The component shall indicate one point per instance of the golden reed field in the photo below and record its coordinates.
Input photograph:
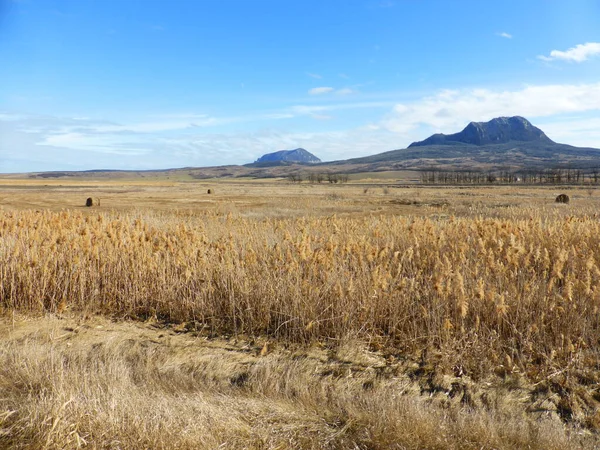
(276, 315)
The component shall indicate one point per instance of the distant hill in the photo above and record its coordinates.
(497, 131)
(504, 142)
(298, 155)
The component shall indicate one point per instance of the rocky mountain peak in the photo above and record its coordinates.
(298, 155)
(497, 131)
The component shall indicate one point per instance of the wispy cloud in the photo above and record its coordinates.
(330, 90)
(578, 54)
(505, 35)
(567, 112)
(316, 109)
(314, 75)
(579, 130)
(174, 140)
(449, 110)
(321, 90)
(56, 148)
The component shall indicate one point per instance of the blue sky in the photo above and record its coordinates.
(149, 84)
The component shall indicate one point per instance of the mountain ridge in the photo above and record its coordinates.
(298, 155)
(504, 143)
(499, 130)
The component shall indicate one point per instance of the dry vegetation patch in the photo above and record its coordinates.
(469, 321)
(71, 383)
(520, 288)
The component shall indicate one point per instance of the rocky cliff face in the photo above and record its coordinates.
(298, 155)
(496, 131)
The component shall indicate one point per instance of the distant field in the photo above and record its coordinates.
(367, 194)
(278, 315)
(403, 176)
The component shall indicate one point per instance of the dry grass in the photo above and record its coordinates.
(116, 385)
(523, 288)
(280, 199)
(465, 289)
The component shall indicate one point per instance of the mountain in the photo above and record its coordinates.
(298, 155)
(497, 131)
(503, 142)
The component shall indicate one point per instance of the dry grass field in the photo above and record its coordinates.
(277, 315)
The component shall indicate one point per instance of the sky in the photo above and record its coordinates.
(155, 84)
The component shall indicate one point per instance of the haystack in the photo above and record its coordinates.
(92, 201)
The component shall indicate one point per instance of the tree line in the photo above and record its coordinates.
(506, 176)
(333, 178)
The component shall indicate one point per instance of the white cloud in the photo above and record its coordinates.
(31, 143)
(449, 110)
(569, 113)
(312, 109)
(579, 53)
(321, 90)
(168, 123)
(314, 75)
(345, 91)
(330, 90)
(36, 142)
(330, 145)
(581, 131)
(505, 35)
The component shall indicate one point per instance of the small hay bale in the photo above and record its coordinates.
(210, 191)
(91, 201)
(562, 198)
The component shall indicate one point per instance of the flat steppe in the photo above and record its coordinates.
(267, 314)
(375, 193)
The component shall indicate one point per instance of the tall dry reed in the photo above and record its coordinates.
(526, 289)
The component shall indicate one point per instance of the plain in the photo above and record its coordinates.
(270, 314)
